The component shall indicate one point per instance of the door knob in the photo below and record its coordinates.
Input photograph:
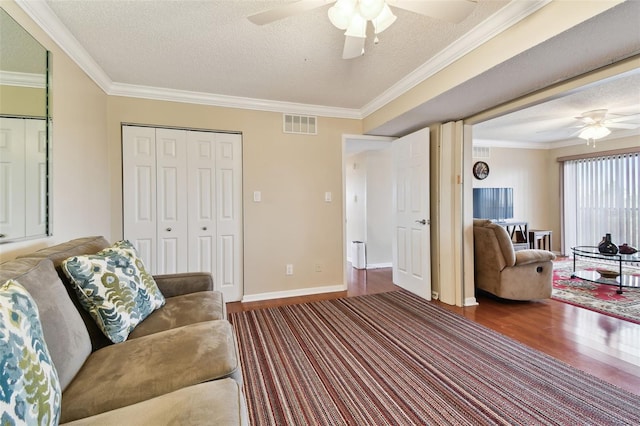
(168, 229)
(204, 228)
(422, 222)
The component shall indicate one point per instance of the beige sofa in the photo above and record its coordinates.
(179, 366)
(509, 274)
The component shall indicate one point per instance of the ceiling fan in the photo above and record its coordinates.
(596, 124)
(354, 15)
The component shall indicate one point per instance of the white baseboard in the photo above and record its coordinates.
(293, 293)
(470, 301)
(379, 265)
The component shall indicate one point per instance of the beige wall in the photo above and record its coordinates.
(534, 175)
(524, 170)
(369, 217)
(80, 191)
(292, 224)
(379, 207)
(29, 101)
(356, 200)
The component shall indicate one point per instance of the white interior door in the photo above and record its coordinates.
(411, 240)
(12, 175)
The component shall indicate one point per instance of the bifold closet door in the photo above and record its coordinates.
(155, 196)
(172, 196)
(12, 163)
(182, 195)
(201, 181)
(229, 259)
(139, 191)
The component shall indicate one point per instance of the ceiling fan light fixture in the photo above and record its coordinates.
(593, 132)
(341, 13)
(384, 19)
(357, 27)
(370, 9)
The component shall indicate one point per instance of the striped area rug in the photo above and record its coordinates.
(394, 359)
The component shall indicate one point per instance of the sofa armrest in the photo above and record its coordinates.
(176, 284)
(525, 257)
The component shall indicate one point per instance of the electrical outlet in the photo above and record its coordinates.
(289, 269)
(318, 267)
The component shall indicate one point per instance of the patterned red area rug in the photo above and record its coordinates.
(593, 296)
(395, 359)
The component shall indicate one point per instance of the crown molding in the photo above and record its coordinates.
(42, 14)
(23, 79)
(511, 144)
(506, 17)
(553, 144)
(172, 95)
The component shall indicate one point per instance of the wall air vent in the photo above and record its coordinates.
(481, 152)
(301, 124)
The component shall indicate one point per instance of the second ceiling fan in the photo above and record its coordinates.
(354, 15)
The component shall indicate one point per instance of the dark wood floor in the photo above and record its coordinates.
(606, 347)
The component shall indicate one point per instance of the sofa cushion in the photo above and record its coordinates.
(220, 402)
(150, 366)
(63, 251)
(29, 387)
(64, 331)
(76, 247)
(115, 288)
(182, 310)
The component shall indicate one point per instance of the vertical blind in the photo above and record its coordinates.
(601, 196)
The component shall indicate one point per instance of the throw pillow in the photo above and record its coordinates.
(29, 388)
(115, 288)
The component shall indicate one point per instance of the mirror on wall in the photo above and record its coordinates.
(25, 130)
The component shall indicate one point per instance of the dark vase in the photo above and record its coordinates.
(606, 246)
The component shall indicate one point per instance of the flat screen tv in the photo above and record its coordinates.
(493, 203)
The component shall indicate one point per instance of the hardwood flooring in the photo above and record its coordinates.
(606, 347)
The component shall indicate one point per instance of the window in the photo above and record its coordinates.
(601, 195)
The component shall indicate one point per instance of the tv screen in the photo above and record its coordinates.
(493, 203)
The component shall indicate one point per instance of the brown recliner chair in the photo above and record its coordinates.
(509, 274)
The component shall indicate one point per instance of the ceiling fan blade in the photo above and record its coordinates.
(447, 10)
(622, 125)
(285, 11)
(620, 118)
(353, 47)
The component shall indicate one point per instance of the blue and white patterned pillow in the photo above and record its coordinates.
(30, 391)
(115, 288)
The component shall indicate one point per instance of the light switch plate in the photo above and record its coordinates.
(327, 197)
(257, 196)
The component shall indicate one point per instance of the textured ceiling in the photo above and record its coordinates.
(556, 119)
(210, 47)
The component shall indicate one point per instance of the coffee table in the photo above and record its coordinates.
(622, 280)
